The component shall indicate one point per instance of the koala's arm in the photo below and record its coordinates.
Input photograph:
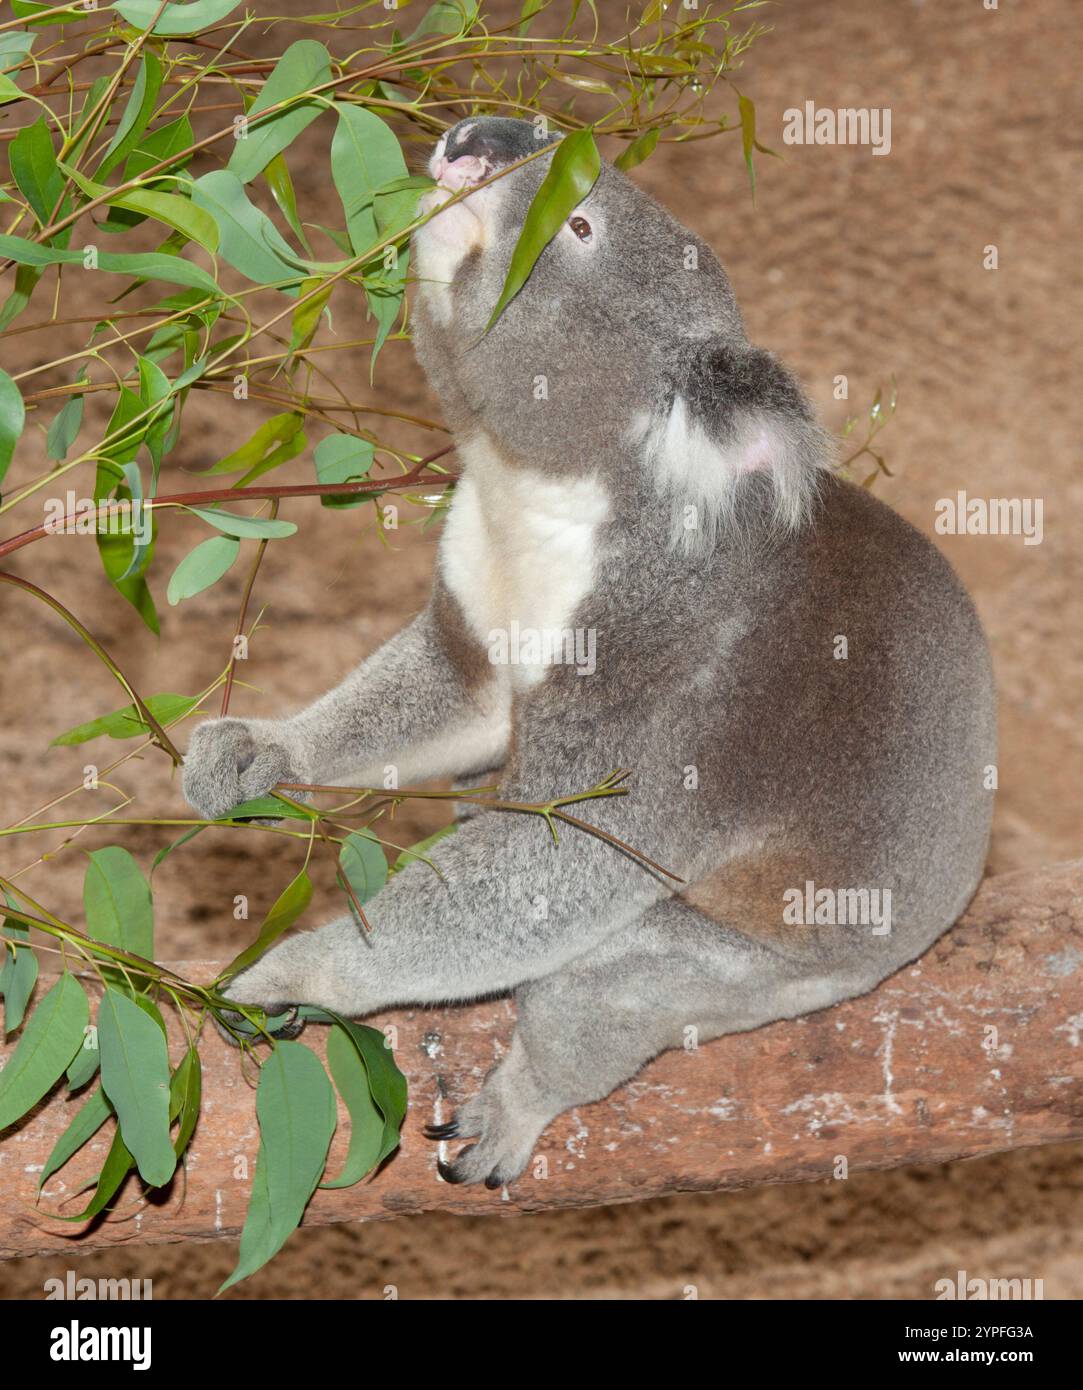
(427, 702)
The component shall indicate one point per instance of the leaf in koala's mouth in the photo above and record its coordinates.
(572, 174)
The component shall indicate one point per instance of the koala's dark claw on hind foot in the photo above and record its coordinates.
(445, 1131)
(447, 1170)
(494, 1180)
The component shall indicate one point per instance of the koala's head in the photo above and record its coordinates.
(626, 338)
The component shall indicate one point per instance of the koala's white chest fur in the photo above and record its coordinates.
(519, 552)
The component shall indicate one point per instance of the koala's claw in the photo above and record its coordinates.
(446, 1172)
(438, 1132)
(290, 1028)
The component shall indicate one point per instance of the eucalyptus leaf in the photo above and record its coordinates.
(136, 115)
(295, 1105)
(146, 265)
(49, 1041)
(202, 567)
(248, 239)
(117, 902)
(291, 903)
(127, 722)
(12, 420)
(90, 1117)
(362, 864)
(32, 160)
(304, 65)
(246, 527)
(572, 174)
(175, 19)
(135, 1077)
(343, 458)
(18, 970)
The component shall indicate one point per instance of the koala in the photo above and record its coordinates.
(793, 674)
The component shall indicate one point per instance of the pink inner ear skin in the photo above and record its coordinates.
(756, 457)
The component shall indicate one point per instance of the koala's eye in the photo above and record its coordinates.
(582, 228)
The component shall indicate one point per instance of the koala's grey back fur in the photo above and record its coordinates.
(669, 491)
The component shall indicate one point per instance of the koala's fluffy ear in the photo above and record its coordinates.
(733, 425)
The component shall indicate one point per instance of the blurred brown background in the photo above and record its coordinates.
(847, 264)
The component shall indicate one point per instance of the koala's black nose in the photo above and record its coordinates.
(499, 139)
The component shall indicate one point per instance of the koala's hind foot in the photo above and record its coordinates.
(588, 1028)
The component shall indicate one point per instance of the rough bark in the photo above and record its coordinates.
(972, 1049)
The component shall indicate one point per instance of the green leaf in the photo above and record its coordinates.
(175, 19)
(365, 155)
(156, 394)
(277, 435)
(84, 1065)
(248, 240)
(148, 265)
(572, 174)
(747, 111)
(34, 169)
(50, 1038)
(185, 1096)
(172, 209)
(374, 1131)
(378, 197)
(26, 278)
(366, 1122)
(277, 175)
(291, 903)
(362, 864)
(448, 17)
(49, 14)
(18, 971)
(422, 847)
(295, 1104)
(65, 428)
(15, 44)
(160, 144)
(136, 115)
(118, 1164)
(202, 567)
(117, 901)
(88, 1120)
(260, 527)
(343, 458)
(304, 65)
(12, 420)
(164, 854)
(641, 148)
(264, 806)
(135, 1077)
(126, 722)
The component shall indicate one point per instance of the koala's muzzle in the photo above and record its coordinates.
(480, 145)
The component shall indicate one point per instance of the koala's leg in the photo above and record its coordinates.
(583, 1031)
(505, 905)
(428, 702)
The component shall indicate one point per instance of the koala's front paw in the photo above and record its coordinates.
(236, 1029)
(227, 763)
